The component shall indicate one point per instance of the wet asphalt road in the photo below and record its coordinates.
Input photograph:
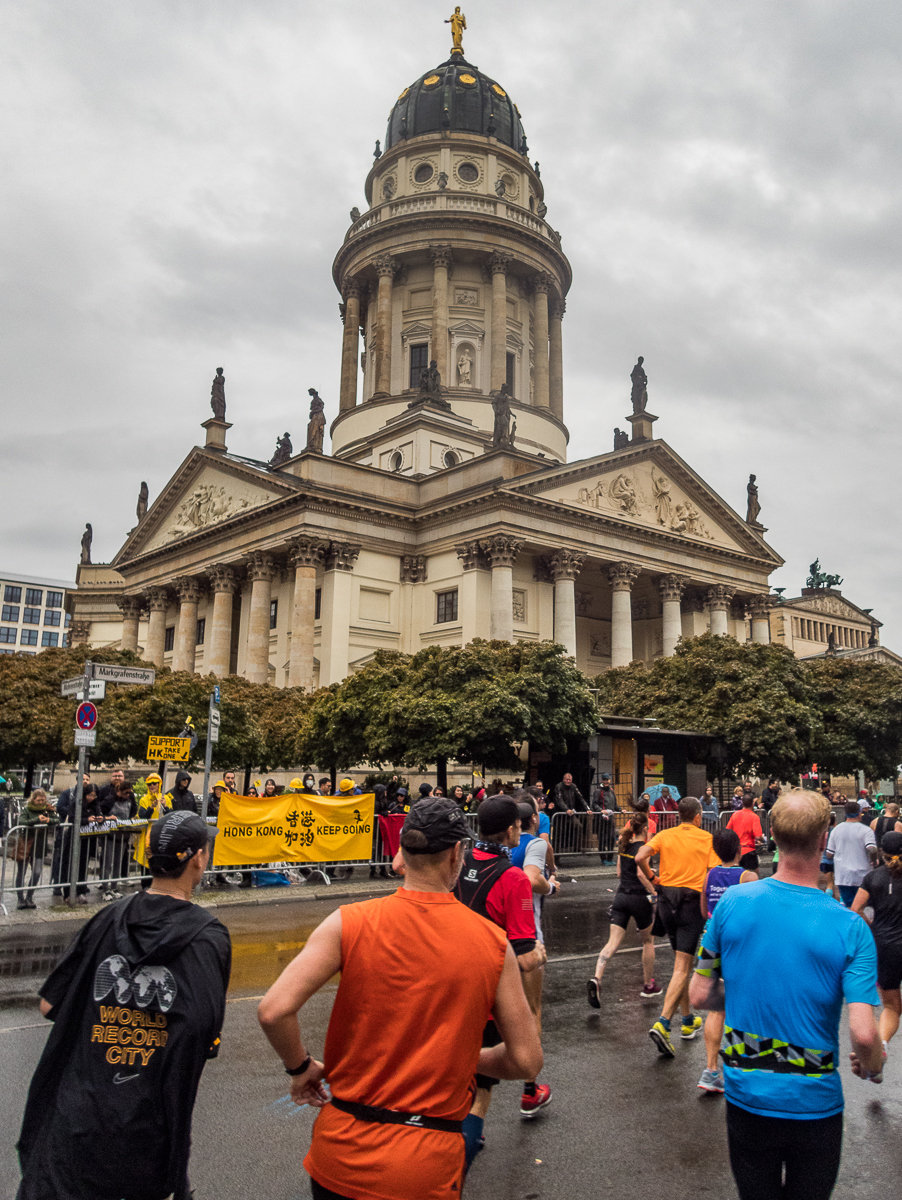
(623, 1123)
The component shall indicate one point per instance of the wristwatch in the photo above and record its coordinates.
(302, 1068)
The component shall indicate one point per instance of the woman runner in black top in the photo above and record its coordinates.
(881, 890)
(635, 898)
(888, 822)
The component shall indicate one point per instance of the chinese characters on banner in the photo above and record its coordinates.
(254, 830)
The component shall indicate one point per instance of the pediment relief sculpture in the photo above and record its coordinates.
(832, 605)
(206, 506)
(647, 494)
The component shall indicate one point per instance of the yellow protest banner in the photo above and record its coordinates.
(294, 828)
(168, 749)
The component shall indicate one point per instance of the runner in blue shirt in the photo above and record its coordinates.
(781, 957)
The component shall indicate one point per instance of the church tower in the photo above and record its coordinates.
(454, 264)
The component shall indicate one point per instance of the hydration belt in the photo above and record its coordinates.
(391, 1116)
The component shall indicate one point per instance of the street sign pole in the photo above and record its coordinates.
(208, 759)
(79, 792)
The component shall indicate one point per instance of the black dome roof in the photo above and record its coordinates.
(456, 95)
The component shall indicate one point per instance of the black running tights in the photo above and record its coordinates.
(760, 1148)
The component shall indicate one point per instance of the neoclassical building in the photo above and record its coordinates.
(442, 513)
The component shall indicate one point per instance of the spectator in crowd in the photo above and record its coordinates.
(215, 798)
(252, 791)
(228, 780)
(605, 803)
(643, 805)
(121, 806)
(666, 804)
(853, 848)
(771, 794)
(746, 824)
(90, 815)
(59, 868)
(709, 809)
(887, 822)
(567, 797)
(108, 791)
(736, 798)
(438, 793)
(325, 786)
(151, 807)
(38, 818)
(425, 790)
(309, 782)
(402, 801)
(269, 788)
(457, 795)
(347, 787)
(181, 798)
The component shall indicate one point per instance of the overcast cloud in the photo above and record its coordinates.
(727, 180)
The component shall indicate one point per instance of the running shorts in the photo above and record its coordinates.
(681, 915)
(627, 904)
(889, 967)
(490, 1037)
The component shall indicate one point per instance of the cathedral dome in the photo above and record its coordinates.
(456, 95)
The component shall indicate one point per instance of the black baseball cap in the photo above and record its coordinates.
(440, 821)
(179, 835)
(891, 844)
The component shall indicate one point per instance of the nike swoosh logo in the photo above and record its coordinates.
(117, 1078)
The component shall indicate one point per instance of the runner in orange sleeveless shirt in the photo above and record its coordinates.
(420, 976)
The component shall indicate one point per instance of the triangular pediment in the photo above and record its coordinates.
(649, 486)
(207, 490)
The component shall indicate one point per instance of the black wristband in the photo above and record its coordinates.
(302, 1068)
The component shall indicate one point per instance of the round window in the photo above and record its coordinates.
(450, 459)
(468, 172)
(423, 173)
(396, 462)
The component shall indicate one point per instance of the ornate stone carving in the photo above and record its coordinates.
(465, 368)
(316, 426)
(760, 607)
(622, 576)
(307, 551)
(261, 567)
(738, 610)
(466, 297)
(442, 256)
(86, 538)
(413, 568)
(687, 519)
(556, 309)
(223, 578)
(206, 506)
(158, 599)
(583, 604)
(188, 589)
(341, 556)
(284, 450)
(502, 430)
(352, 286)
(600, 644)
(499, 263)
(621, 439)
(564, 564)
(518, 605)
(217, 395)
(389, 186)
(542, 282)
(79, 632)
(660, 485)
(501, 551)
(592, 496)
(817, 578)
(719, 597)
(754, 508)
(469, 555)
(693, 601)
(832, 605)
(623, 494)
(130, 606)
(385, 266)
(639, 394)
(671, 587)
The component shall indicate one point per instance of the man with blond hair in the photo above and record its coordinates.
(781, 957)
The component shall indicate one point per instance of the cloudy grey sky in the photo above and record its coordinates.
(727, 179)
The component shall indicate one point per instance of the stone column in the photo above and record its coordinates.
(385, 268)
(501, 552)
(622, 577)
(541, 285)
(351, 290)
(556, 309)
(760, 607)
(564, 566)
(219, 636)
(305, 554)
(672, 587)
(498, 265)
(158, 603)
(130, 607)
(336, 611)
(189, 592)
(261, 570)
(441, 261)
(718, 605)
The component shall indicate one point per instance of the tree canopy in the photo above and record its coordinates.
(860, 707)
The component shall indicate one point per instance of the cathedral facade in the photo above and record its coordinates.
(447, 509)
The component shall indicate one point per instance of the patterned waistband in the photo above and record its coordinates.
(746, 1052)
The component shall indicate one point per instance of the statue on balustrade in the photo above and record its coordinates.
(621, 439)
(316, 426)
(754, 507)
(640, 387)
(86, 539)
(502, 434)
(283, 451)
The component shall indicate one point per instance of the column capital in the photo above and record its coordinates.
(542, 282)
(564, 564)
(130, 606)
(352, 286)
(501, 551)
(158, 599)
(499, 262)
(385, 266)
(442, 256)
(224, 578)
(760, 607)
(672, 587)
(261, 567)
(719, 597)
(469, 555)
(622, 576)
(341, 556)
(188, 589)
(307, 551)
(413, 568)
(557, 308)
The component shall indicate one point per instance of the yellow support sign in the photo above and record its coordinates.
(168, 749)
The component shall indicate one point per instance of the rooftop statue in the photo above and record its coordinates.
(502, 435)
(217, 395)
(142, 502)
(754, 508)
(458, 23)
(86, 538)
(818, 579)
(640, 387)
(283, 451)
(317, 424)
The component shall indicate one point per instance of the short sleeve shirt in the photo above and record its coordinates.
(885, 897)
(747, 828)
(544, 824)
(686, 854)
(788, 957)
(849, 843)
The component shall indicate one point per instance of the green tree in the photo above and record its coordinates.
(754, 698)
(860, 704)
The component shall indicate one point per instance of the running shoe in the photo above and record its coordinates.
(661, 1038)
(690, 1028)
(711, 1081)
(650, 989)
(592, 989)
(530, 1105)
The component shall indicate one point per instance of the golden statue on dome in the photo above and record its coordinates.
(458, 23)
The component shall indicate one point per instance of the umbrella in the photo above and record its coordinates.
(2, 780)
(655, 791)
